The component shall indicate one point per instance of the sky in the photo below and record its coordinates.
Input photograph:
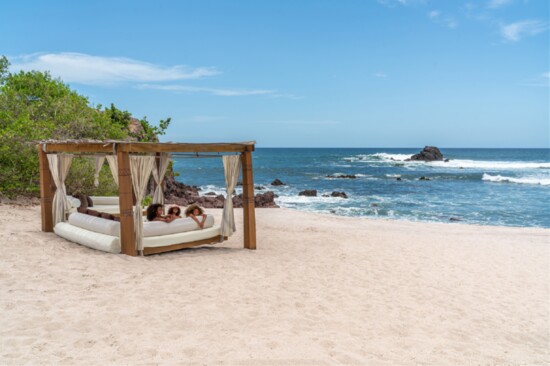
(289, 73)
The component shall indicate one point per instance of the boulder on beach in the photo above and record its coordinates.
(308, 193)
(429, 153)
(277, 182)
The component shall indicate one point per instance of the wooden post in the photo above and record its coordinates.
(249, 215)
(47, 190)
(127, 235)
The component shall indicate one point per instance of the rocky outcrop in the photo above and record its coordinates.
(277, 182)
(424, 178)
(429, 153)
(308, 193)
(266, 200)
(184, 195)
(336, 194)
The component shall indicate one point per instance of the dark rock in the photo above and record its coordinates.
(446, 160)
(454, 219)
(398, 178)
(308, 193)
(239, 184)
(326, 195)
(339, 194)
(210, 194)
(429, 153)
(375, 205)
(424, 178)
(259, 188)
(277, 182)
(342, 176)
(266, 199)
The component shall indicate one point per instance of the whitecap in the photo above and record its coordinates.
(517, 180)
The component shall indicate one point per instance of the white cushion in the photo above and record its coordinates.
(158, 228)
(90, 239)
(73, 201)
(104, 200)
(96, 224)
(160, 241)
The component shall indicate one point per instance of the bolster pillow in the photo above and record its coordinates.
(104, 200)
(96, 224)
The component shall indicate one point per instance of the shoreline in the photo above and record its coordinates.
(31, 202)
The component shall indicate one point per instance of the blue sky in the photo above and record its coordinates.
(353, 73)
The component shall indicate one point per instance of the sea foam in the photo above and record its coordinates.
(518, 180)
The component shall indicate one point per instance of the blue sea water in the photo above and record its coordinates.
(507, 187)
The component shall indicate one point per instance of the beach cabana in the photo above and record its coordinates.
(132, 163)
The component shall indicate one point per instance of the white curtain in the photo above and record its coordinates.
(98, 163)
(158, 176)
(59, 167)
(140, 168)
(113, 164)
(231, 167)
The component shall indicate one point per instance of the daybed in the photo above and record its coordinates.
(104, 233)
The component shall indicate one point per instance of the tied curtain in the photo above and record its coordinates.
(140, 168)
(98, 163)
(158, 175)
(113, 164)
(231, 168)
(59, 167)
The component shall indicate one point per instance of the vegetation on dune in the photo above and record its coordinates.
(33, 107)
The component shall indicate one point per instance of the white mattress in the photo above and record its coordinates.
(157, 228)
(88, 238)
(160, 241)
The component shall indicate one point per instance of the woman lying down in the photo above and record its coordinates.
(194, 211)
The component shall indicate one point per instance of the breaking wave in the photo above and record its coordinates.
(520, 180)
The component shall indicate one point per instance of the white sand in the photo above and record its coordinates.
(319, 290)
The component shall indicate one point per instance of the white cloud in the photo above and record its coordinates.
(436, 17)
(495, 4)
(97, 70)
(513, 32)
(433, 14)
(224, 92)
(393, 3)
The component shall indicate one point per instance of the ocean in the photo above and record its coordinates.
(504, 187)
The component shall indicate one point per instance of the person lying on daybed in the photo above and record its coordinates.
(155, 213)
(174, 212)
(195, 212)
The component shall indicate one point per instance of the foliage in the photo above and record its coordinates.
(81, 179)
(146, 201)
(33, 107)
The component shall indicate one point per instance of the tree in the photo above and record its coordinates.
(33, 107)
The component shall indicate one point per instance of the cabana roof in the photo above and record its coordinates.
(112, 146)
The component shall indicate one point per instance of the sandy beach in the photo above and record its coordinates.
(320, 290)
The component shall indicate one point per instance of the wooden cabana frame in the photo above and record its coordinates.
(122, 150)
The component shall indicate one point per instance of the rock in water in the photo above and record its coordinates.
(429, 153)
(277, 182)
(308, 193)
(339, 194)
